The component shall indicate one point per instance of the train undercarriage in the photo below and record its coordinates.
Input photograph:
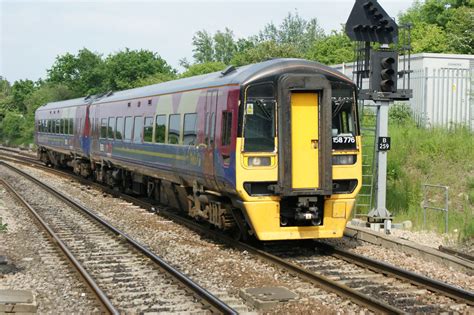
(194, 200)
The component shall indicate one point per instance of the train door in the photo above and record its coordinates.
(305, 140)
(209, 146)
(85, 131)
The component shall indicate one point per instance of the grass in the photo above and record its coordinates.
(3, 227)
(430, 156)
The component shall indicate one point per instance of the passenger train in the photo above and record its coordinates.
(270, 150)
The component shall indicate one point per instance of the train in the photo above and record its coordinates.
(269, 151)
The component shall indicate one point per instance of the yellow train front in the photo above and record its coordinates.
(298, 152)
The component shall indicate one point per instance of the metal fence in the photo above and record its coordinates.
(443, 97)
(427, 204)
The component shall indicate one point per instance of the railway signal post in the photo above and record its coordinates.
(369, 23)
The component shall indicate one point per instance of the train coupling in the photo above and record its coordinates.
(308, 211)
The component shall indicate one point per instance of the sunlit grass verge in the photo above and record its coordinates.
(430, 156)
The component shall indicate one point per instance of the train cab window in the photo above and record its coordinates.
(71, 126)
(343, 110)
(190, 133)
(259, 118)
(103, 128)
(128, 128)
(174, 128)
(137, 132)
(119, 128)
(160, 128)
(110, 128)
(148, 129)
(226, 128)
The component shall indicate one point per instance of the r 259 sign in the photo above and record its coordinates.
(384, 143)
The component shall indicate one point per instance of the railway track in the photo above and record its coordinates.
(124, 275)
(372, 284)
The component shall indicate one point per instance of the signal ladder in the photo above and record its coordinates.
(365, 200)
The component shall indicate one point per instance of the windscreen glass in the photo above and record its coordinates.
(344, 114)
(259, 119)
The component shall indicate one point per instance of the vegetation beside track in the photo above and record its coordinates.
(430, 156)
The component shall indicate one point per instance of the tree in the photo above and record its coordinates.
(224, 46)
(265, 51)
(203, 47)
(203, 68)
(5, 87)
(442, 26)
(82, 73)
(332, 49)
(429, 38)
(125, 68)
(21, 89)
(461, 30)
(295, 31)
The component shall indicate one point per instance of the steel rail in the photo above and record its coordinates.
(406, 275)
(456, 253)
(101, 296)
(205, 295)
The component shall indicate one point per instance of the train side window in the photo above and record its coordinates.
(128, 128)
(160, 128)
(190, 133)
(226, 128)
(58, 126)
(174, 128)
(148, 130)
(71, 126)
(103, 128)
(66, 126)
(137, 132)
(206, 128)
(212, 124)
(110, 128)
(50, 125)
(119, 128)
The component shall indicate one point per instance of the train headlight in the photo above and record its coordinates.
(344, 159)
(259, 161)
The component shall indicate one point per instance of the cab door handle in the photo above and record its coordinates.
(315, 143)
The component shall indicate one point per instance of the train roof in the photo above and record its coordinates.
(240, 76)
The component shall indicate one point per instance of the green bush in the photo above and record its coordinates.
(430, 156)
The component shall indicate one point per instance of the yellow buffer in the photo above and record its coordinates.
(304, 140)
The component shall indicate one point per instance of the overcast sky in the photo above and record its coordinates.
(33, 32)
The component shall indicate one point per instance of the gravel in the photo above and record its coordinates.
(218, 268)
(416, 264)
(37, 265)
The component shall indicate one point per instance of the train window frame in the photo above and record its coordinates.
(58, 126)
(128, 133)
(263, 95)
(119, 133)
(148, 129)
(71, 126)
(137, 128)
(103, 128)
(111, 128)
(190, 133)
(212, 127)
(173, 137)
(158, 129)
(226, 128)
